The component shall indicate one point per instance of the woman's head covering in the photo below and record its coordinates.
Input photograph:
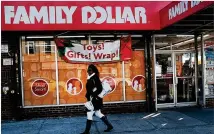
(94, 69)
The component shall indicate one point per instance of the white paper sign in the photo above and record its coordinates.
(7, 61)
(4, 48)
(158, 69)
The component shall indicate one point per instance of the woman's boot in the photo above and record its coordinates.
(108, 124)
(88, 127)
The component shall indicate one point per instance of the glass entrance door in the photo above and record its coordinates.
(164, 80)
(175, 79)
(185, 78)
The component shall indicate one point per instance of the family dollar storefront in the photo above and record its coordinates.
(47, 47)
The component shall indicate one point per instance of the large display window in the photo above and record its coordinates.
(39, 73)
(49, 80)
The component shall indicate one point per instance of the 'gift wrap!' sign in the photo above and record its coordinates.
(108, 51)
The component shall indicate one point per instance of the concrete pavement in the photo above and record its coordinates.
(177, 121)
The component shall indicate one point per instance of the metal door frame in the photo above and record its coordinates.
(173, 57)
(163, 105)
(195, 78)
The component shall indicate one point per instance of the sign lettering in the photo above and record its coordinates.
(46, 14)
(178, 9)
(64, 15)
(181, 8)
(106, 52)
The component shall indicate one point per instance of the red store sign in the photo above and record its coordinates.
(178, 10)
(95, 15)
(71, 15)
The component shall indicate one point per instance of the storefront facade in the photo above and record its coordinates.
(43, 83)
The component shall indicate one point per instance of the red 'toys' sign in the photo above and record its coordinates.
(40, 87)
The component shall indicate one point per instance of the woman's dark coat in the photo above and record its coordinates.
(93, 82)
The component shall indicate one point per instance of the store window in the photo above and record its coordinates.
(49, 80)
(39, 73)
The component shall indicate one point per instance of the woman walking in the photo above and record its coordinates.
(94, 88)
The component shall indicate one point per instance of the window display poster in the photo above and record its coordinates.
(40, 87)
(74, 86)
(137, 83)
(209, 72)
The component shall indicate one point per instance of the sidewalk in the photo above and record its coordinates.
(181, 121)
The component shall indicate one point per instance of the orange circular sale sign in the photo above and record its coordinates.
(40, 87)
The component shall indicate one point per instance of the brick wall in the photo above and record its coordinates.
(76, 110)
(5, 81)
(6, 111)
(210, 102)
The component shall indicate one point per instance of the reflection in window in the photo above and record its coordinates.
(163, 65)
(47, 45)
(75, 41)
(187, 64)
(30, 48)
(97, 42)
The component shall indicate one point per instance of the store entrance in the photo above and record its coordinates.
(175, 78)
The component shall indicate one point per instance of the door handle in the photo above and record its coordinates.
(176, 80)
(23, 73)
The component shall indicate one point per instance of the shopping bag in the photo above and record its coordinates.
(106, 89)
(89, 105)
